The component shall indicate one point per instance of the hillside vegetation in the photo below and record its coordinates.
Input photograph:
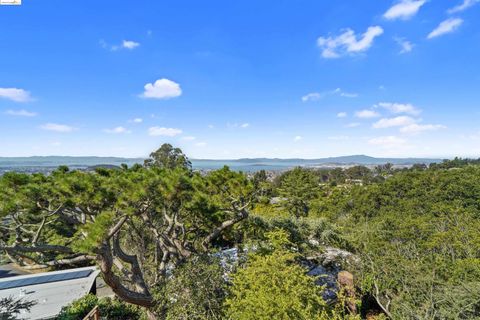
(409, 238)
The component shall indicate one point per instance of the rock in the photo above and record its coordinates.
(347, 288)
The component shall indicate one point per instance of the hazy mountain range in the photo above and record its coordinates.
(254, 164)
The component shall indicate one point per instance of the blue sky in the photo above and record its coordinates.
(231, 79)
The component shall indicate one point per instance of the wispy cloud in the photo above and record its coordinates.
(200, 144)
(418, 128)
(15, 94)
(57, 127)
(245, 125)
(162, 89)
(445, 27)
(405, 9)
(297, 138)
(21, 113)
(189, 138)
(463, 6)
(400, 121)
(405, 45)
(126, 44)
(397, 108)
(348, 42)
(342, 115)
(161, 131)
(136, 120)
(315, 96)
(117, 130)
(367, 114)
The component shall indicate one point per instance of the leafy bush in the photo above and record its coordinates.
(110, 309)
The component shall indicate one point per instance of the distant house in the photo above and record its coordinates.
(50, 290)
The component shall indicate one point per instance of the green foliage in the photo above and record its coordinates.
(298, 187)
(273, 286)
(111, 309)
(196, 290)
(168, 157)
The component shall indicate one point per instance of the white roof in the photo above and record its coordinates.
(51, 290)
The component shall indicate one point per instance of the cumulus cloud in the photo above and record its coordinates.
(447, 26)
(21, 113)
(367, 114)
(399, 108)
(400, 121)
(463, 6)
(128, 44)
(297, 138)
(161, 131)
(418, 128)
(405, 9)
(15, 94)
(117, 130)
(348, 42)
(342, 115)
(388, 142)
(162, 89)
(405, 45)
(57, 127)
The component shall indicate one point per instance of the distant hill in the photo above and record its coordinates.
(40, 164)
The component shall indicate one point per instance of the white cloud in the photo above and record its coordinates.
(447, 26)
(389, 142)
(399, 108)
(161, 131)
(128, 44)
(401, 121)
(117, 130)
(201, 144)
(211, 126)
(347, 42)
(188, 138)
(367, 114)
(21, 113)
(404, 9)
(162, 89)
(344, 94)
(57, 127)
(136, 120)
(464, 6)
(405, 45)
(314, 96)
(245, 125)
(297, 138)
(15, 94)
(342, 115)
(418, 128)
